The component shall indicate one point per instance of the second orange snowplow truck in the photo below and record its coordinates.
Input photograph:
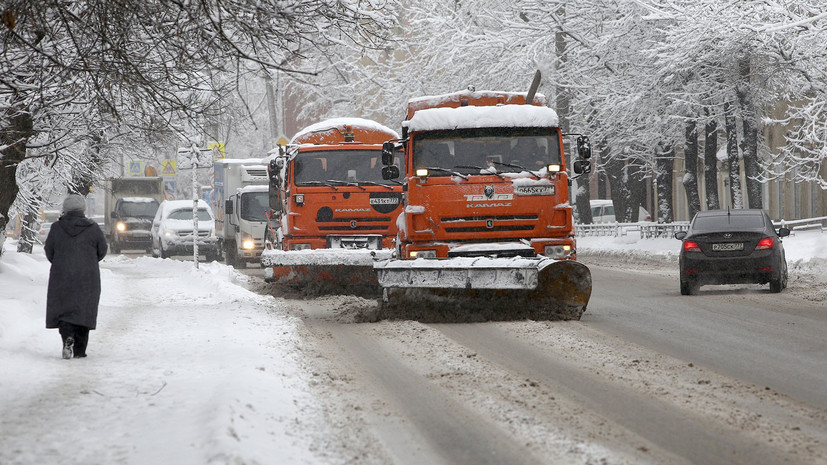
(336, 213)
(487, 226)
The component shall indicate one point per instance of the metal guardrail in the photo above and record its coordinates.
(649, 230)
(806, 224)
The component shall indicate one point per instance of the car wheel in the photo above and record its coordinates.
(688, 287)
(164, 253)
(776, 285)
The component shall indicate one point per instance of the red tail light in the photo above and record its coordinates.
(691, 246)
(765, 243)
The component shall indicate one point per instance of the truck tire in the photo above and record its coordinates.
(230, 256)
(115, 248)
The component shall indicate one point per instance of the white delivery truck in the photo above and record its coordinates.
(240, 202)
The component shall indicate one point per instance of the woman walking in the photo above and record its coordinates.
(74, 247)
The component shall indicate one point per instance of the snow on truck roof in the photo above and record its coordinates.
(470, 117)
(318, 130)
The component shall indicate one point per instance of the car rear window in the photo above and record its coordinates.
(728, 223)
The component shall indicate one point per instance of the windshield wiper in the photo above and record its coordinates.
(346, 183)
(373, 183)
(511, 165)
(445, 170)
(317, 183)
(474, 167)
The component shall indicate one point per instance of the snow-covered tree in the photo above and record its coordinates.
(77, 75)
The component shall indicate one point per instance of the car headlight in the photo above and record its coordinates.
(170, 234)
(121, 226)
(423, 254)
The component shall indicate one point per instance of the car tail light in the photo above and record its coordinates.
(765, 243)
(691, 246)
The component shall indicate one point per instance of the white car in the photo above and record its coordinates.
(43, 232)
(603, 211)
(172, 230)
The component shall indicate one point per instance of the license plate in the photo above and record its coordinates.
(728, 246)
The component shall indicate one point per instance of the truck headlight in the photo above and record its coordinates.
(557, 251)
(248, 243)
(423, 254)
(300, 247)
(121, 226)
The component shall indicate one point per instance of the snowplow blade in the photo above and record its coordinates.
(323, 271)
(484, 289)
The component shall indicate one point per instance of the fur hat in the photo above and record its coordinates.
(74, 202)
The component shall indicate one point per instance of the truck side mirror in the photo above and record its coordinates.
(582, 167)
(113, 215)
(584, 147)
(387, 155)
(390, 172)
(228, 207)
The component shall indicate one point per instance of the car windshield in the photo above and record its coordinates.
(186, 214)
(469, 151)
(254, 206)
(728, 223)
(138, 208)
(340, 167)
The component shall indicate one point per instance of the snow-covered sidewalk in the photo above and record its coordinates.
(186, 367)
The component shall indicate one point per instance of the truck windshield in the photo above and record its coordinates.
(484, 150)
(254, 206)
(348, 166)
(149, 208)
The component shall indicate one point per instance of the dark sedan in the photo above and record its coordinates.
(732, 247)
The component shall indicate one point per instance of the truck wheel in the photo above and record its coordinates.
(230, 256)
(115, 248)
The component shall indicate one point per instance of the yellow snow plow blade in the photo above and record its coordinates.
(323, 271)
(482, 289)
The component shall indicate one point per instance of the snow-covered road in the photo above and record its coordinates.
(192, 367)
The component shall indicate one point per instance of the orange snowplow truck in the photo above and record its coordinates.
(334, 211)
(487, 223)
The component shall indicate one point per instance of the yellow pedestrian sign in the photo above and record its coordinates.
(219, 154)
(168, 167)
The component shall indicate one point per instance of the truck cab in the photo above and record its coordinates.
(132, 222)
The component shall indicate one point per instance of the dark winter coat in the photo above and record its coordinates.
(74, 246)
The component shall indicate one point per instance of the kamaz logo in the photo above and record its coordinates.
(483, 198)
(384, 201)
(488, 205)
(348, 210)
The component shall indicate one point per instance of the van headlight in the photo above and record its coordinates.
(121, 226)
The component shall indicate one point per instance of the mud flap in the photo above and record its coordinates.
(562, 292)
